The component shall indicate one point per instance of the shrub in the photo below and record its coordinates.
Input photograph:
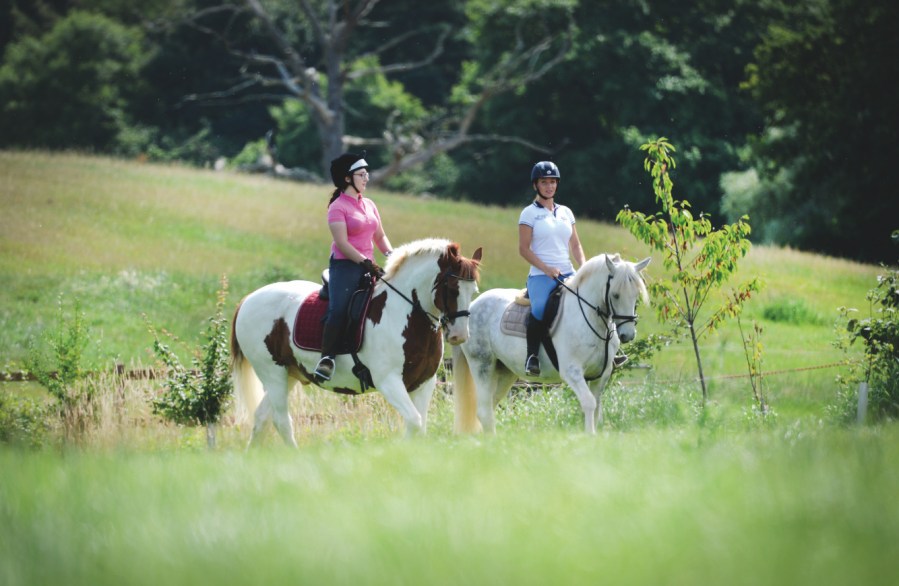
(198, 396)
(879, 333)
(23, 422)
(791, 311)
(56, 359)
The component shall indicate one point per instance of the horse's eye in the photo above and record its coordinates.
(616, 296)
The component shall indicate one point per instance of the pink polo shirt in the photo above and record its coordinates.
(362, 220)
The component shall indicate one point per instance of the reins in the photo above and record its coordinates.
(444, 318)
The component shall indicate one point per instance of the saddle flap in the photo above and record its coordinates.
(309, 322)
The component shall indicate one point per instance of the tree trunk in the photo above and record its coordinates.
(699, 364)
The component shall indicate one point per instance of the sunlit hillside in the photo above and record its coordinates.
(124, 239)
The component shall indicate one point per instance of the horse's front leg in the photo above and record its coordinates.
(574, 376)
(394, 391)
(421, 398)
(598, 386)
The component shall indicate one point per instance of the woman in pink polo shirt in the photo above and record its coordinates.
(355, 225)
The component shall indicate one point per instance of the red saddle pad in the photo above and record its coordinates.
(309, 325)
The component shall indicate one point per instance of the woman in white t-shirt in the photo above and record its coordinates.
(547, 239)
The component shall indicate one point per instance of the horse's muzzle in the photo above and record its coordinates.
(627, 334)
(457, 337)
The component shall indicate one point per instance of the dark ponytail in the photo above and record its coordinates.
(334, 196)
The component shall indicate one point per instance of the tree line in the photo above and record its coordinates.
(782, 110)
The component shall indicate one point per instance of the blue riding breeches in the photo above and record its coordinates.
(540, 287)
(343, 281)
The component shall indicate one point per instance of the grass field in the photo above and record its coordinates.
(660, 496)
(648, 507)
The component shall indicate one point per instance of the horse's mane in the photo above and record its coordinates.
(431, 247)
(597, 265)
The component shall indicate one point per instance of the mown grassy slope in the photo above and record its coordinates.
(126, 239)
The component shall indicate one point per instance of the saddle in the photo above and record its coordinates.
(514, 321)
(310, 319)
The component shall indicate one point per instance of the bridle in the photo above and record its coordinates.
(445, 318)
(610, 318)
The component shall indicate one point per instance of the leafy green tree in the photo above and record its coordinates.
(636, 70)
(70, 87)
(820, 76)
(701, 259)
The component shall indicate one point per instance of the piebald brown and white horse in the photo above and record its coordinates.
(597, 313)
(423, 296)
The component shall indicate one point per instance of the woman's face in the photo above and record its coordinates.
(546, 186)
(359, 180)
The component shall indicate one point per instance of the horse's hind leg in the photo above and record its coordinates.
(274, 381)
(492, 382)
(262, 414)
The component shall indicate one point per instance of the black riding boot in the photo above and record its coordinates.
(330, 339)
(535, 331)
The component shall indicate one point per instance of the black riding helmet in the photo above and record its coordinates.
(544, 169)
(344, 166)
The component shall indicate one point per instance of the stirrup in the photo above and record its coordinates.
(324, 369)
(532, 366)
(619, 360)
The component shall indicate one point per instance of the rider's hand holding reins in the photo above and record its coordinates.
(372, 267)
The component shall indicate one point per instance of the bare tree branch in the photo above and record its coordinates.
(401, 67)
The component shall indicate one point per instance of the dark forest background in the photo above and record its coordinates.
(785, 112)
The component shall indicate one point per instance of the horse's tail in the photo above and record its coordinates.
(248, 390)
(464, 397)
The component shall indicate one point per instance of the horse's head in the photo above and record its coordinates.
(451, 278)
(624, 289)
(454, 289)
(614, 286)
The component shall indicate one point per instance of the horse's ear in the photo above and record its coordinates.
(477, 255)
(610, 264)
(643, 264)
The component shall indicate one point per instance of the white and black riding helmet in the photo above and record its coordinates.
(344, 166)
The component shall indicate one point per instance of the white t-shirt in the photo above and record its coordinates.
(551, 235)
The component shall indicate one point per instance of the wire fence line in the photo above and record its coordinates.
(152, 373)
(747, 375)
